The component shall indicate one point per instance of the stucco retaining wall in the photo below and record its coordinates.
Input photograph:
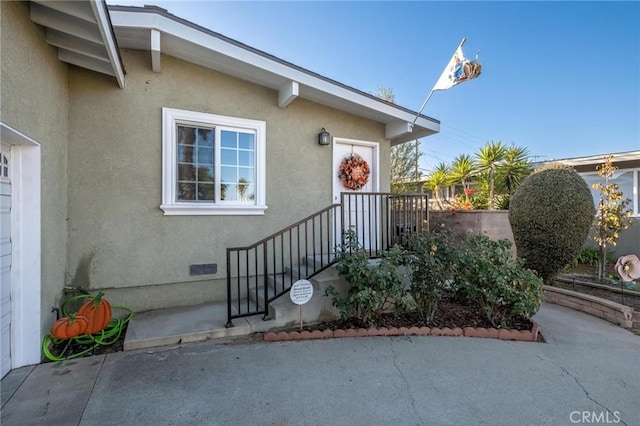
(493, 223)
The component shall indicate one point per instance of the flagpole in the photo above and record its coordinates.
(464, 39)
(422, 107)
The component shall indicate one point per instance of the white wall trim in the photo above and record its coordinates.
(170, 205)
(26, 251)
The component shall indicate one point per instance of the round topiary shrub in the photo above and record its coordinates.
(551, 213)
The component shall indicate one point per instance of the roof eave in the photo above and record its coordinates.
(134, 26)
(106, 30)
(81, 31)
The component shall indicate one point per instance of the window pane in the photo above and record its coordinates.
(205, 137)
(246, 192)
(205, 174)
(625, 185)
(195, 163)
(231, 193)
(186, 191)
(186, 172)
(205, 192)
(229, 174)
(591, 179)
(205, 156)
(245, 158)
(223, 191)
(245, 175)
(637, 200)
(229, 157)
(229, 139)
(246, 141)
(186, 135)
(185, 154)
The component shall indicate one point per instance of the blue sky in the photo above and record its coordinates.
(560, 78)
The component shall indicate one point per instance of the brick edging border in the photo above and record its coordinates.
(492, 333)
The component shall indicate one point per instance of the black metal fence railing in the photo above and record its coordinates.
(262, 272)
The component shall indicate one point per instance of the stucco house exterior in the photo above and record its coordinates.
(628, 179)
(137, 147)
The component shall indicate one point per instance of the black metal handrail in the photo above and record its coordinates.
(262, 272)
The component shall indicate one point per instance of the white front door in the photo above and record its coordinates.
(5, 261)
(357, 212)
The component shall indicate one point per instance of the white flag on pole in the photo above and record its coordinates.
(458, 70)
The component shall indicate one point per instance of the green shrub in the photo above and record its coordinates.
(551, 213)
(432, 264)
(374, 288)
(503, 288)
(588, 256)
(480, 201)
(591, 256)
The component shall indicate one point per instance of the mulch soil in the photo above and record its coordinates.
(450, 313)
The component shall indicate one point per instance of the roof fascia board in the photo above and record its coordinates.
(155, 19)
(597, 159)
(106, 31)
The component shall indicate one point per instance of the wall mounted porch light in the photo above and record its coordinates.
(324, 137)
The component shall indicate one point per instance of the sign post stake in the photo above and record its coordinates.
(300, 318)
(300, 293)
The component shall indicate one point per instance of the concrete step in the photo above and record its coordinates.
(318, 261)
(284, 313)
(180, 325)
(174, 326)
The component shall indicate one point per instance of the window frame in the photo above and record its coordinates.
(172, 117)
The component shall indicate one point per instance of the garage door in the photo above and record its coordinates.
(5, 260)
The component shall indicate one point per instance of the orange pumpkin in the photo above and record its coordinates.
(69, 327)
(98, 313)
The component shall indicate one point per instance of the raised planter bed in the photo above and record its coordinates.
(611, 311)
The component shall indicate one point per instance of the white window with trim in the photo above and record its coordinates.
(628, 181)
(212, 164)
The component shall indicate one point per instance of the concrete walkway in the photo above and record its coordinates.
(587, 372)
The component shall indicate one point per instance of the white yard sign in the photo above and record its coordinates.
(301, 292)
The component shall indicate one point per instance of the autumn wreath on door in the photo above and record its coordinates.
(354, 172)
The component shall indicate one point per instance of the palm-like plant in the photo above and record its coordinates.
(437, 179)
(490, 157)
(514, 169)
(463, 169)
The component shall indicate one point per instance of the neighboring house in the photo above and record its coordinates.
(628, 179)
(136, 145)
